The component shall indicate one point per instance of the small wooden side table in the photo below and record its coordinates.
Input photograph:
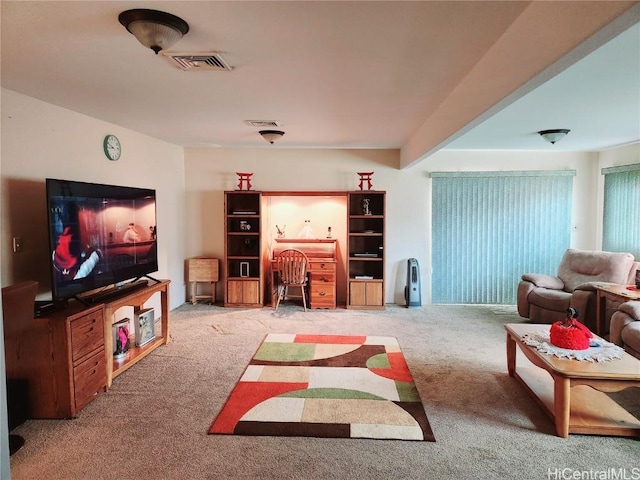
(615, 293)
(202, 270)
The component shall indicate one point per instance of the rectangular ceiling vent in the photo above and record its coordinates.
(262, 123)
(199, 61)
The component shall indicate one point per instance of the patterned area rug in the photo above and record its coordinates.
(326, 386)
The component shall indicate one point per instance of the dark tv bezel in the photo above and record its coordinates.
(72, 189)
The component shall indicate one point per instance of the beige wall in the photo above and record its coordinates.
(210, 171)
(40, 140)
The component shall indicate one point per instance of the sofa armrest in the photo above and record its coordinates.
(631, 308)
(544, 281)
(589, 286)
(619, 321)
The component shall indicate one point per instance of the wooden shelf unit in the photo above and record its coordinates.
(242, 250)
(135, 299)
(366, 241)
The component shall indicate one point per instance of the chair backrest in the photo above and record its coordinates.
(292, 266)
(583, 266)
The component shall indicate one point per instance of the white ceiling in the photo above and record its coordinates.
(416, 76)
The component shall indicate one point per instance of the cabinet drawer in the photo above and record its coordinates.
(87, 334)
(89, 379)
(322, 278)
(322, 296)
(322, 266)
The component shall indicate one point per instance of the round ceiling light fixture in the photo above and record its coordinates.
(271, 135)
(154, 29)
(554, 135)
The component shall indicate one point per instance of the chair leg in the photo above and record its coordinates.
(304, 298)
(281, 293)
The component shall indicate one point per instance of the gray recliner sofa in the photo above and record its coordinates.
(545, 298)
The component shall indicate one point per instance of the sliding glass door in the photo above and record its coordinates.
(491, 227)
(621, 221)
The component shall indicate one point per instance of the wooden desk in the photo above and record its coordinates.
(573, 394)
(322, 269)
(615, 293)
(135, 299)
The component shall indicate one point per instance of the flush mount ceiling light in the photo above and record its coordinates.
(552, 136)
(154, 29)
(271, 135)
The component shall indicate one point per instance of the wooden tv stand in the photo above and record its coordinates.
(70, 352)
(135, 299)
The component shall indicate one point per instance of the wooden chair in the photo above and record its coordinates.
(18, 303)
(292, 271)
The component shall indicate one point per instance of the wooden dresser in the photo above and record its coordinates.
(322, 268)
(67, 362)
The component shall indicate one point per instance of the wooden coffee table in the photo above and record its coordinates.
(571, 391)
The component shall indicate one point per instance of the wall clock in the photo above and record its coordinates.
(112, 147)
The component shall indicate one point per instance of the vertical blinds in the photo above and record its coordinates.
(491, 227)
(621, 220)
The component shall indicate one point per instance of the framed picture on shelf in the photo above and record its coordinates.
(244, 269)
(121, 341)
(145, 326)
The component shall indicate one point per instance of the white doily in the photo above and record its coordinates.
(603, 352)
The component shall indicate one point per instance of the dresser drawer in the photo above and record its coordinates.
(323, 296)
(89, 379)
(87, 334)
(322, 266)
(322, 278)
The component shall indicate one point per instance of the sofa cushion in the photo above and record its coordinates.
(582, 266)
(556, 300)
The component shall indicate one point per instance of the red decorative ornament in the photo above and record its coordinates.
(570, 333)
(365, 177)
(244, 179)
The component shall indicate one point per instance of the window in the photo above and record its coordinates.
(491, 227)
(621, 220)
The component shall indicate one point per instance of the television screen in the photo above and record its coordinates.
(99, 235)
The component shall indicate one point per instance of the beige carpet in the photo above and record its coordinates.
(152, 424)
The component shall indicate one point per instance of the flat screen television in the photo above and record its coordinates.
(99, 236)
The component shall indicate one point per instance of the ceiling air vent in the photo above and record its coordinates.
(262, 123)
(198, 61)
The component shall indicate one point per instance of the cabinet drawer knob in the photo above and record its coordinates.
(322, 294)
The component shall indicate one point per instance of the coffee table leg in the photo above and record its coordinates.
(511, 355)
(561, 405)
